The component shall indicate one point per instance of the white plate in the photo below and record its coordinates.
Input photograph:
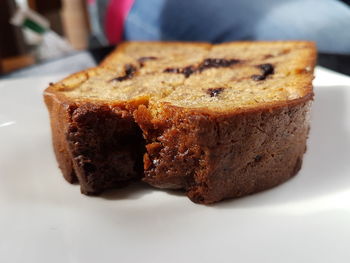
(45, 219)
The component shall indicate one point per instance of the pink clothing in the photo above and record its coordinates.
(117, 11)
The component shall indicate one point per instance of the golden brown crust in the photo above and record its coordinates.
(59, 119)
(303, 62)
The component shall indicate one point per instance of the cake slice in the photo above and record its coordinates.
(218, 121)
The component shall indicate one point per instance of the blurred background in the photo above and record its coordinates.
(49, 36)
(69, 19)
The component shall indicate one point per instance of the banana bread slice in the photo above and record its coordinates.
(218, 121)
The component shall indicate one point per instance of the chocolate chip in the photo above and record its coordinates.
(267, 69)
(129, 73)
(217, 63)
(130, 70)
(207, 63)
(141, 60)
(213, 92)
(188, 71)
(172, 70)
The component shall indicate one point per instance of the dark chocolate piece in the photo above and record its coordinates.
(217, 63)
(213, 92)
(172, 70)
(207, 63)
(188, 71)
(267, 69)
(129, 73)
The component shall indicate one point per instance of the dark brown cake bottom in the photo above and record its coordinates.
(211, 157)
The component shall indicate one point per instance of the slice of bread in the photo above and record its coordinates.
(218, 121)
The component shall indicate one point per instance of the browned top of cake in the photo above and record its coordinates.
(224, 77)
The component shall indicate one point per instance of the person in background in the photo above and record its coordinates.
(327, 22)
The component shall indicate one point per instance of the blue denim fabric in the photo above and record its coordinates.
(325, 21)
